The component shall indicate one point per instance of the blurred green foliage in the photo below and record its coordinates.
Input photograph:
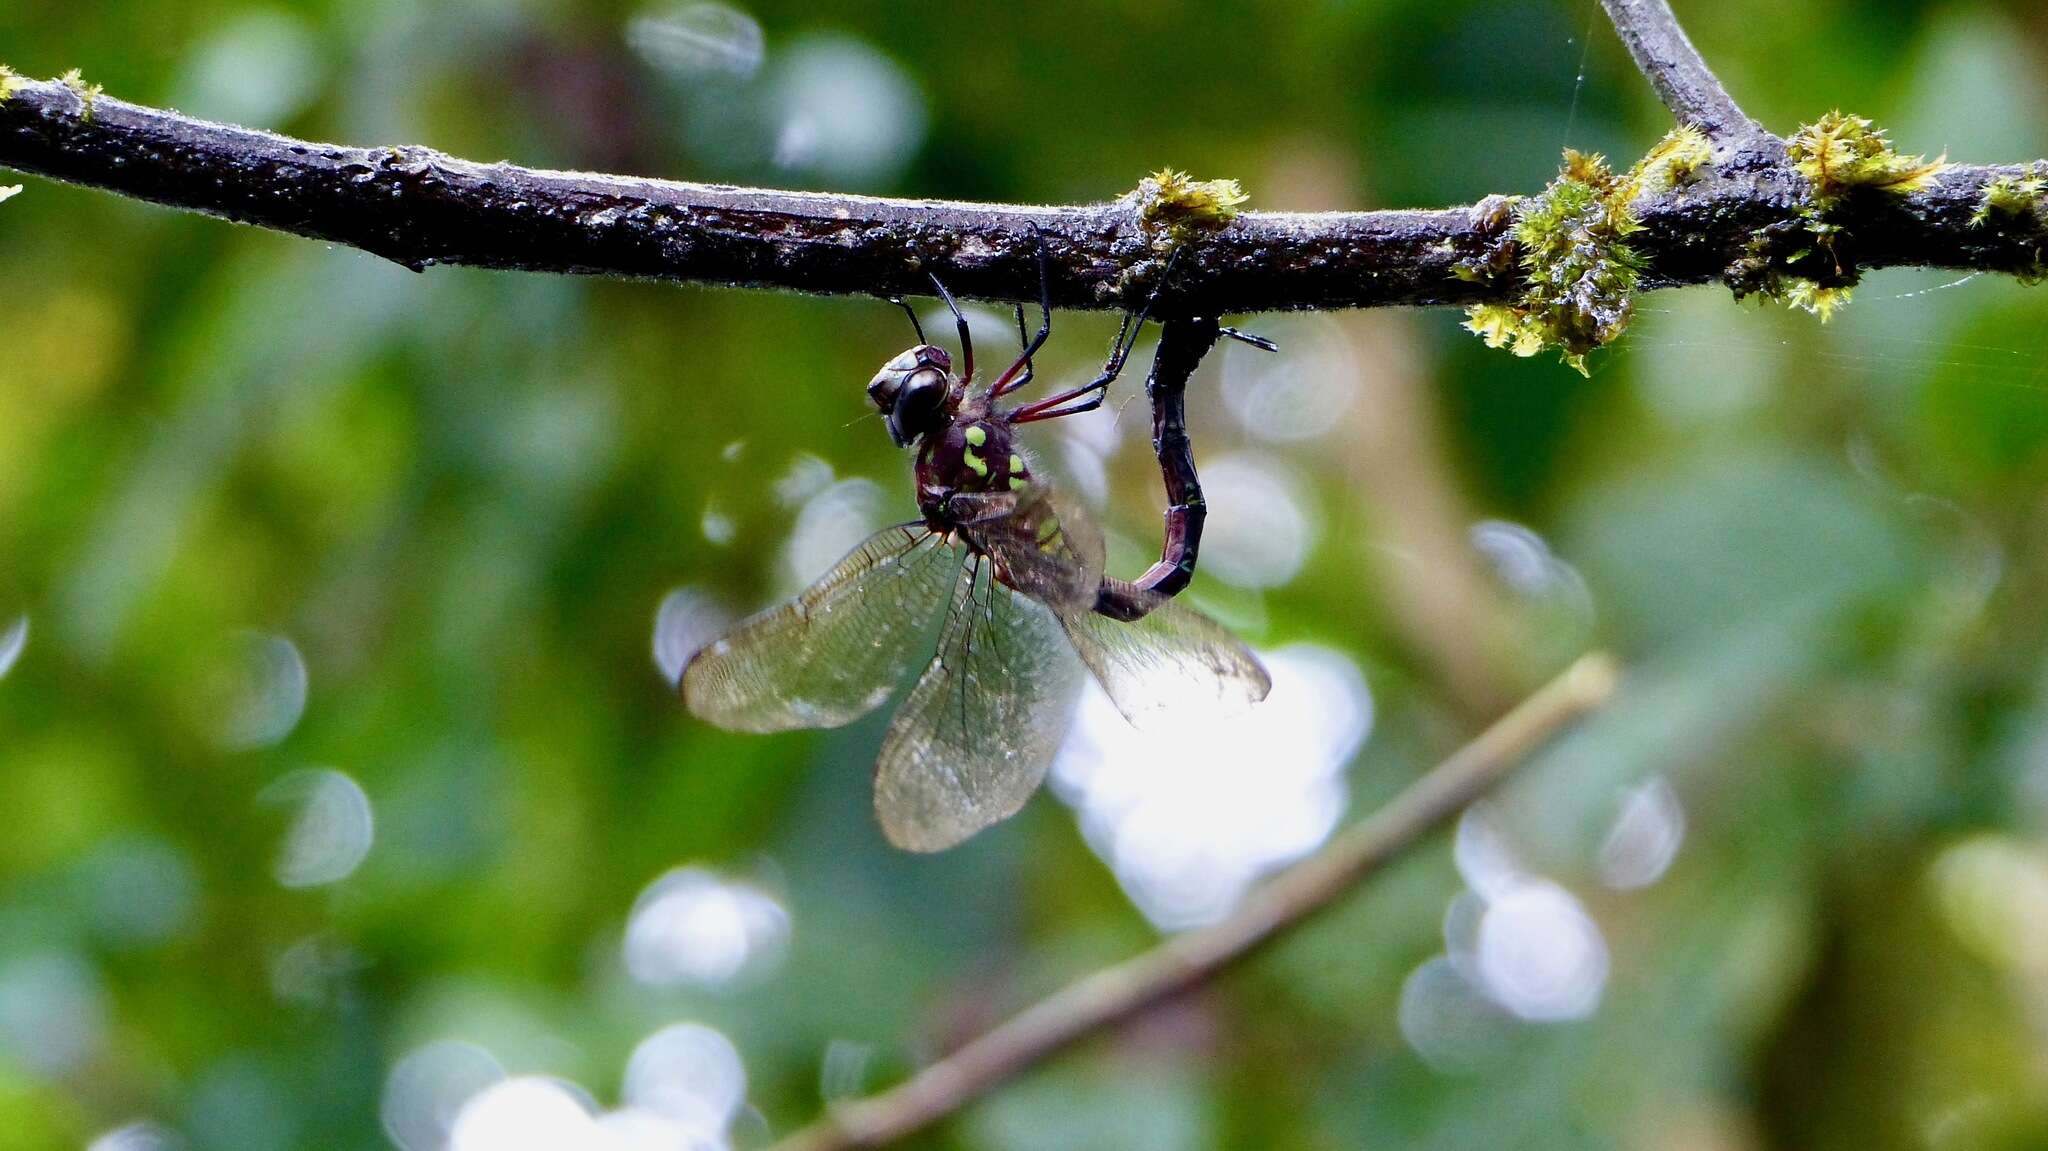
(462, 495)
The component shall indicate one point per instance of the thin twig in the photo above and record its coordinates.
(1116, 994)
(1666, 57)
(419, 207)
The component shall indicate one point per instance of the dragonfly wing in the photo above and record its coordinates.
(973, 739)
(1046, 546)
(1173, 661)
(835, 652)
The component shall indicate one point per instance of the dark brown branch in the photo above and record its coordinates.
(1118, 993)
(419, 207)
(1666, 57)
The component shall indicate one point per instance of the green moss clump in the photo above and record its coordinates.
(1840, 153)
(2016, 208)
(1810, 296)
(1174, 206)
(1581, 273)
(87, 93)
(1796, 262)
(1676, 161)
(1570, 243)
(2014, 198)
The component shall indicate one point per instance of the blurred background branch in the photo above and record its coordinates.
(1119, 993)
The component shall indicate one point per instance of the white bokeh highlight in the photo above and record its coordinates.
(331, 831)
(698, 42)
(1645, 838)
(263, 691)
(1300, 392)
(689, 1075)
(53, 1012)
(687, 619)
(140, 1135)
(845, 112)
(1260, 529)
(13, 641)
(1539, 954)
(425, 1091)
(1517, 946)
(693, 928)
(525, 1113)
(1190, 817)
(832, 523)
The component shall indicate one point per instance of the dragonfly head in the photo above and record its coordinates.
(914, 392)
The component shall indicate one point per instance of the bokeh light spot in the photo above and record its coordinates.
(690, 1074)
(527, 1113)
(331, 829)
(692, 928)
(831, 524)
(1541, 955)
(13, 640)
(693, 42)
(53, 1012)
(1645, 837)
(687, 619)
(1191, 816)
(260, 691)
(847, 113)
(1260, 530)
(1299, 392)
(425, 1091)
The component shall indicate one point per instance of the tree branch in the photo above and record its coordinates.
(1116, 994)
(1666, 57)
(419, 207)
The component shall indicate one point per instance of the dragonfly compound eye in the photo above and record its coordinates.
(916, 363)
(919, 406)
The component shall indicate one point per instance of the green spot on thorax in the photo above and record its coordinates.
(976, 435)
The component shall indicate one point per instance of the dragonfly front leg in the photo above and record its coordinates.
(1091, 393)
(1018, 374)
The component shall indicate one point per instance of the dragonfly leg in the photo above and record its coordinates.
(960, 324)
(1024, 341)
(900, 302)
(1019, 373)
(1050, 408)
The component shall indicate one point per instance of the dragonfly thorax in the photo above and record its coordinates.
(976, 453)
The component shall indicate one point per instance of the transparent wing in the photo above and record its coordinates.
(1044, 545)
(1174, 661)
(974, 737)
(836, 652)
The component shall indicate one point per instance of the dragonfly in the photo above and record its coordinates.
(994, 600)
